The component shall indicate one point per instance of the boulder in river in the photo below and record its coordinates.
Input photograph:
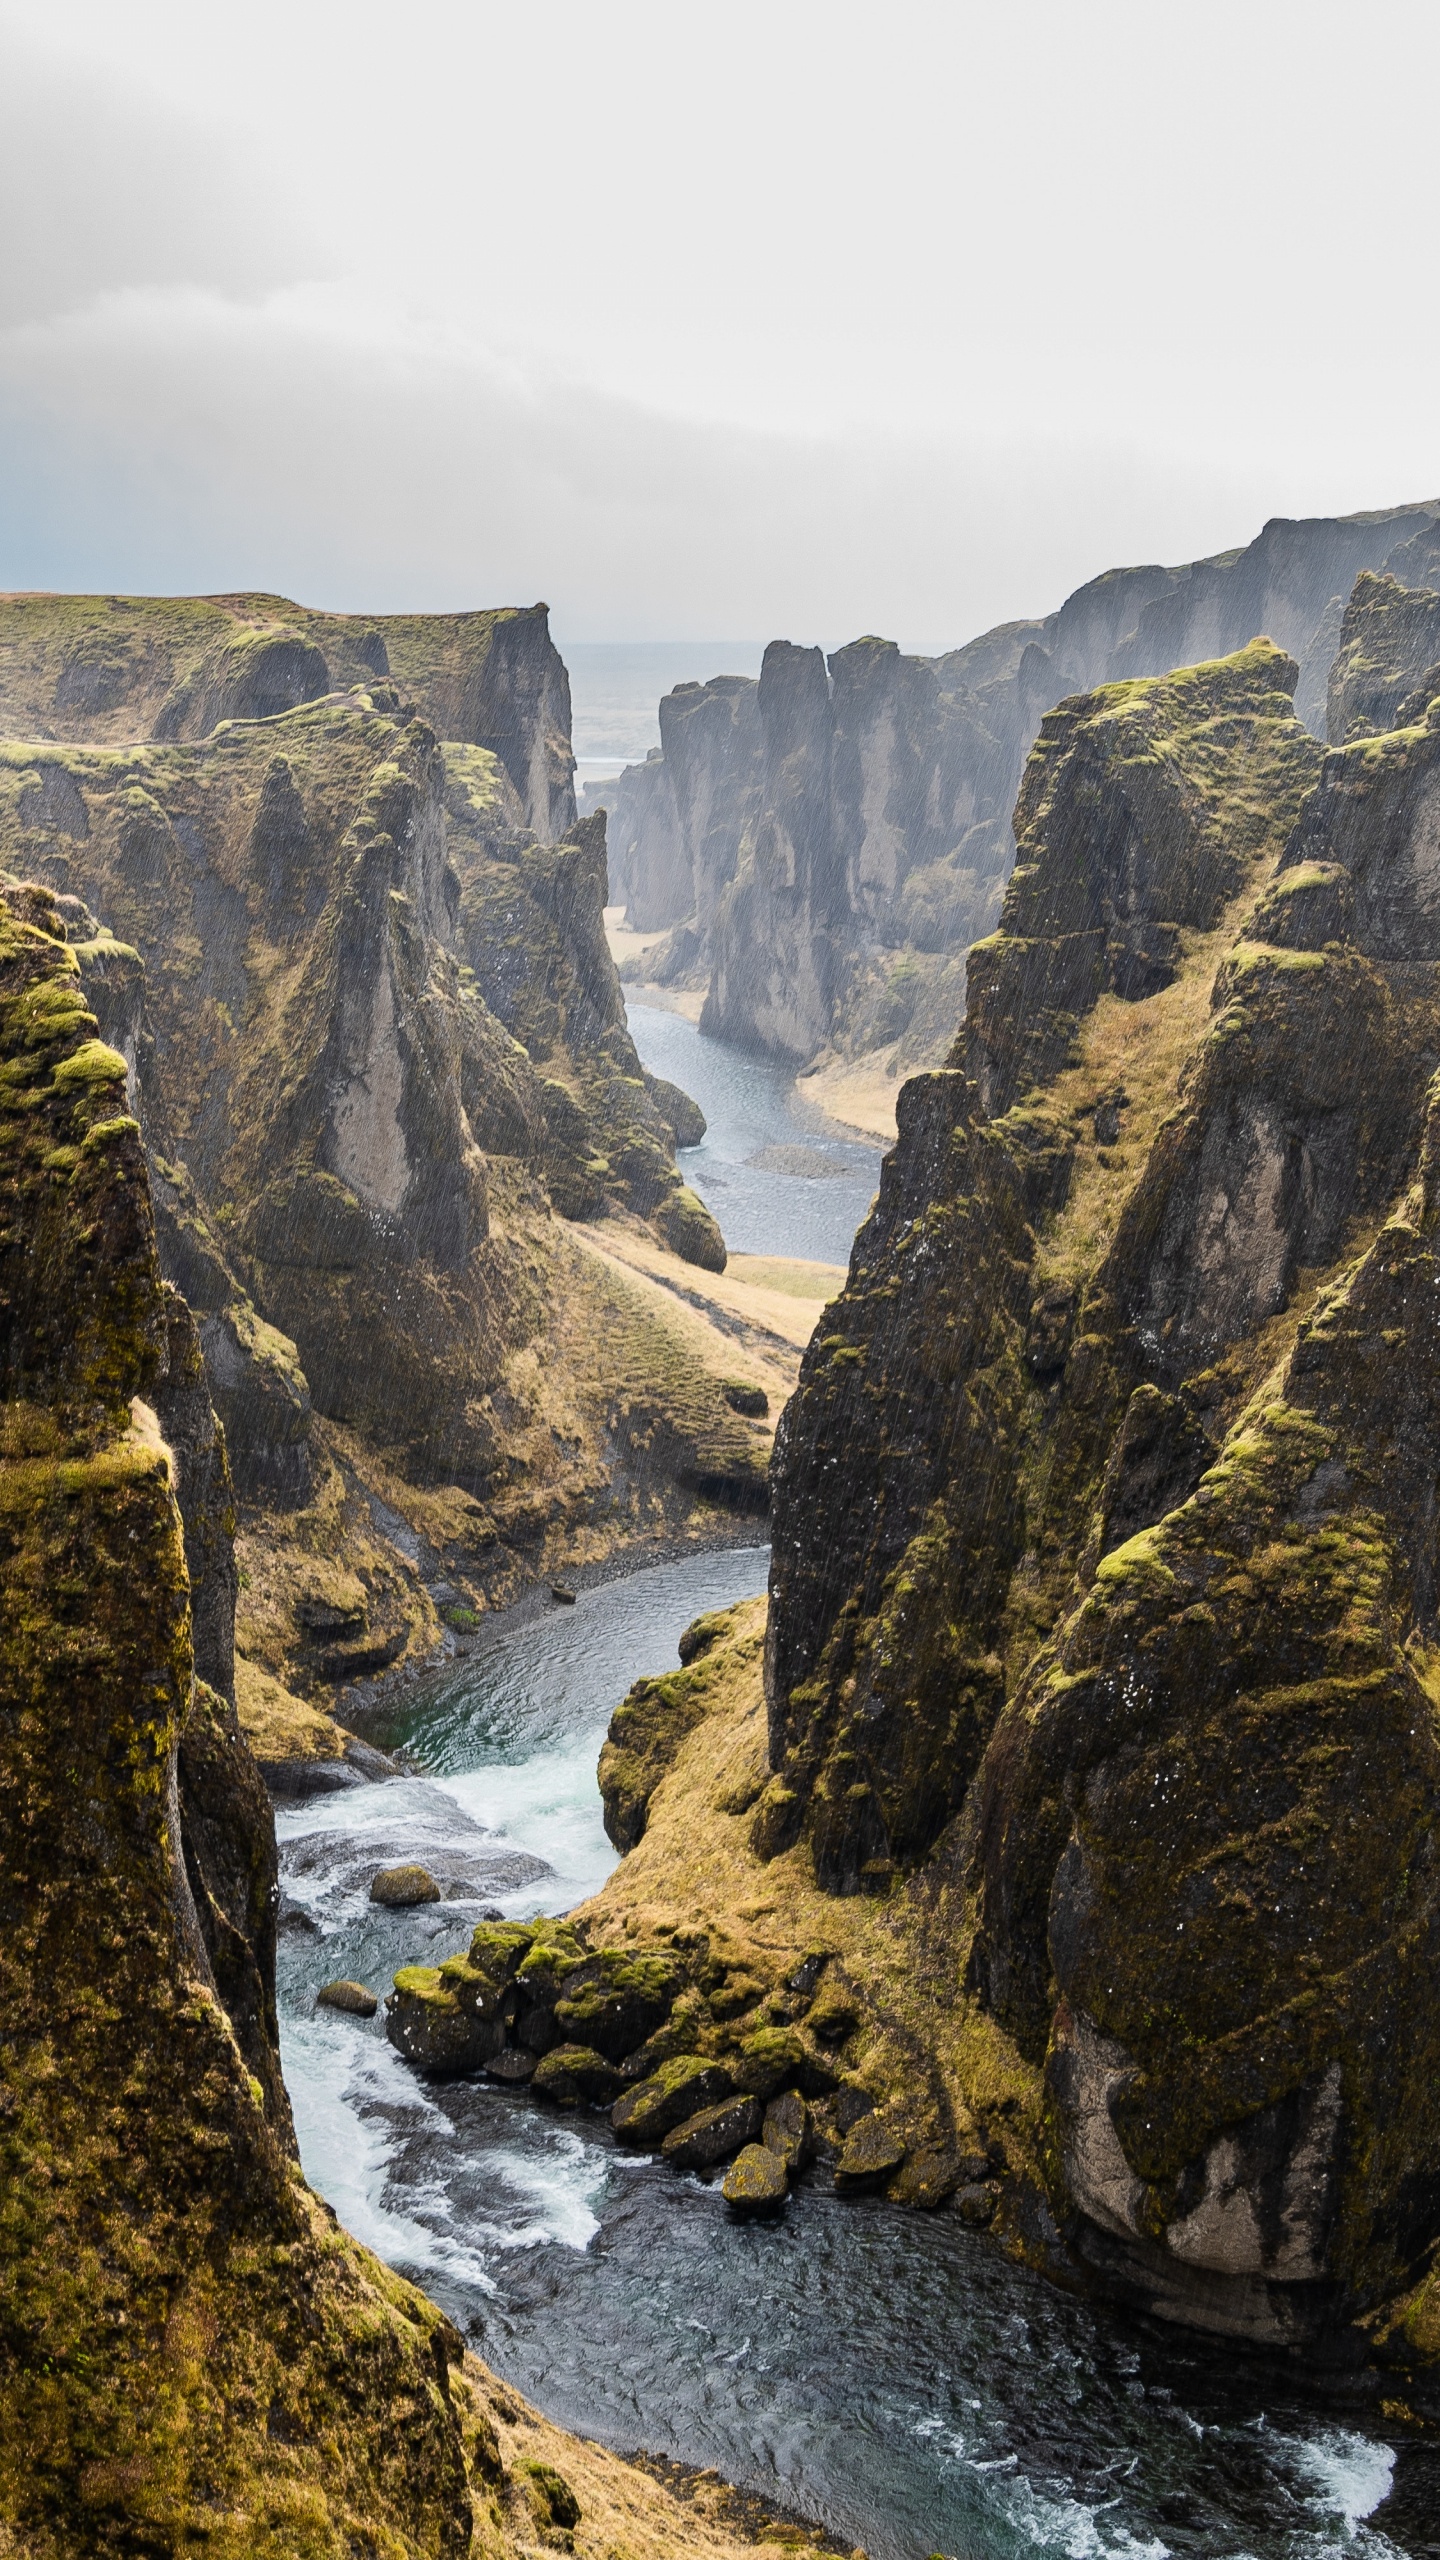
(615, 2000)
(755, 2181)
(399, 1888)
(428, 2026)
(680, 2089)
(352, 1997)
(512, 2064)
(787, 2130)
(576, 2075)
(873, 2150)
(715, 2134)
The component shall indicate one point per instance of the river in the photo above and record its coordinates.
(889, 2374)
(778, 1175)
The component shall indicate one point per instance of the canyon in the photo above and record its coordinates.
(820, 848)
(1053, 1851)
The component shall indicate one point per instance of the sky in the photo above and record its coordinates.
(760, 317)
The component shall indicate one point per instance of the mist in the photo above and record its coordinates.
(733, 322)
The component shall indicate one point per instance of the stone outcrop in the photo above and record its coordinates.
(1387, 664)
(826, 844)
(153, 2206)
(1104, 1602)
(375, 1039)
(113, 670)
(191, 2350)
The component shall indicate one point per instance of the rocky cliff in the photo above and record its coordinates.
(378, 1049)
(112, 670)
(850, 934)
(1103, 1626)
(191, 2351)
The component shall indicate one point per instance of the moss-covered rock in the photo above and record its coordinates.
(151, 2205)
(679, 2090)
(576, 2075)
(756, 2181)
(432, 2025)
(716, 2133)
(1130, 1398)
(1387, 665)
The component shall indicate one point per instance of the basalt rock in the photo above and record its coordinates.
(827, 844)
(531, 926)
(153, 2206)
(679, 2090)
(352, 1998)
(576, 2075)
(288, 905)
(118, 669)
(1387, 666)
(715, 2134)
(1104, 1598)
(755, 2181)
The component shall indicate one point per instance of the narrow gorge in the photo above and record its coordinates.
(664, 1890)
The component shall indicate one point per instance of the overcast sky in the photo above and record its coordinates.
(730, 319)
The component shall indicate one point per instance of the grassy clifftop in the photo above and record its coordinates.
(116, 669)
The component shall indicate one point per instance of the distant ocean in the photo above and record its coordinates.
(615, 689)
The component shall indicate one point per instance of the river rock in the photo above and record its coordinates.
(772, 2056)
(787, 2130)
(976, 2203)
(399, 1888)
(873, 2150)
(576, 2075)
(427, 2025)
(713, 2135)
(755, 2182)
(511, 2064)
(482, 1980)
(614, 2000)
(682, 2088)
(349, 1996)
(926, 2178)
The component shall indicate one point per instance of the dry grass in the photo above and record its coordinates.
(278, 1725)
(1140, 1050)
(695, 1867)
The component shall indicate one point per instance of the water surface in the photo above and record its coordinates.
(777, 1174)
(889, 2374)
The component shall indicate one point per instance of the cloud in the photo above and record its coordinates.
(314, 440)
(801, 320)
(103, 185)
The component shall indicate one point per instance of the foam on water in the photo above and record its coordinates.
(892, 2375)
(1349, 2476)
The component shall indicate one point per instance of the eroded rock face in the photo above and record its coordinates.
(531, 926)
(153, 2205)
(1387, 663)
(293, 903)
(828, 843)
(1105, 1583)
(120, 669)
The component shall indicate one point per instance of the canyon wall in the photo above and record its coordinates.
(192, 2352)
(113, 670)
(851, 934)
(1105, 1603)
(378, 1049)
